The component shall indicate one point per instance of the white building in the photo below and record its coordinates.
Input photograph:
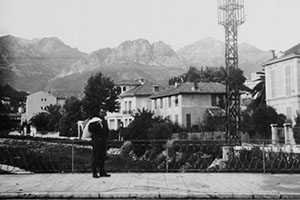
(283, 82)
(187, 103)
(37, 103)
(134, 95)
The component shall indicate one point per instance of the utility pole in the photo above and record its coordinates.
(231, 15)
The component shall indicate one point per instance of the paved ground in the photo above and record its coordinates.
(152, 186)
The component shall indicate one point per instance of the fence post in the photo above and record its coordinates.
(264, 158)
(72, 156)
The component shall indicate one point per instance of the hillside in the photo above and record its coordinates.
(28, 65)
(211, 52)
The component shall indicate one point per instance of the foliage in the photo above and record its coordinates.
(162, 130)
(5, 123)
(247, 123)
(259, 90)
(72, 112)
(40, 121)
(100, 92)
(143, 120)
(211, 123)
(263, 117)
(236, 77)
(16, 98)
(296, 128)
(126, 148)
(55, 114)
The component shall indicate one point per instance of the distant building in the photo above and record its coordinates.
(283, 82)
(134, 95)
(187, 103)
(37, 103)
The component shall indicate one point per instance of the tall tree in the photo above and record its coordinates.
(259, 90)
(72, 112)
(263, 117)
(100, 92)
(55, 112)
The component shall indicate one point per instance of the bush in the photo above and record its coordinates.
(40, 121)
(296, 128)
(126, 148)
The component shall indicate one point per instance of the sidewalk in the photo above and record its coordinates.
(152, 186)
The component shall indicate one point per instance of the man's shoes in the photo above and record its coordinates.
(105, 175)
(96, 176)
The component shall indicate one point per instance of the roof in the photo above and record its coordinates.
(189, 88)
(129, 82)
(146, 89)
(293, 52)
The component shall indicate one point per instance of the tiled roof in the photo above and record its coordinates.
(129, 82)
(189, 88)
(145, 89)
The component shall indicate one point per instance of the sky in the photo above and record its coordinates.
(90, 25)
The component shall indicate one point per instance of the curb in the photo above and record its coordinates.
(146, 195)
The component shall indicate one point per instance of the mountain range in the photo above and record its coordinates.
(51, 65)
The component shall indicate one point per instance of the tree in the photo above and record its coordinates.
(213, 74)
(55, 112)
(296, 128)
(40, 121)
(263, 117)
(72, 112)
(143, 120)
(100, 92)
(16, 99)
(259, 90)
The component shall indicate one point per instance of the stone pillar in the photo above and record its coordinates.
(275, 137)
(288, 134)
(227, 152)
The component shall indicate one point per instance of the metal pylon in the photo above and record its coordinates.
(230, 15)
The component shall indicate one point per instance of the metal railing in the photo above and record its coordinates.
(149, 156)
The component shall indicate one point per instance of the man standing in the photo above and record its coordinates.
(99, 131)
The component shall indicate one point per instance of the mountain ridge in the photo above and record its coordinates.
(49, 61)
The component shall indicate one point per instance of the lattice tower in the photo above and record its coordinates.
(231, 15)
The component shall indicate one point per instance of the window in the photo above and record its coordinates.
(124, 89)
(288, 80)
(129, 105)
(170, 102)
(161, 103)
(188, 121)
(155, 104)
(125, 106)
(289, 112)
(155, 88)
(176, 101)
(273, 84)
(176, 118)
(213, 100)
(42, 99)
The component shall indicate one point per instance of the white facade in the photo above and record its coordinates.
(130, 101)
(283, 85)
(37, 103)
(186, 105)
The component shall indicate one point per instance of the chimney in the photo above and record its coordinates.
(176, 84)
(142, 81)
(155, 88)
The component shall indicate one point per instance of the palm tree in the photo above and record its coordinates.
(259, 90)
